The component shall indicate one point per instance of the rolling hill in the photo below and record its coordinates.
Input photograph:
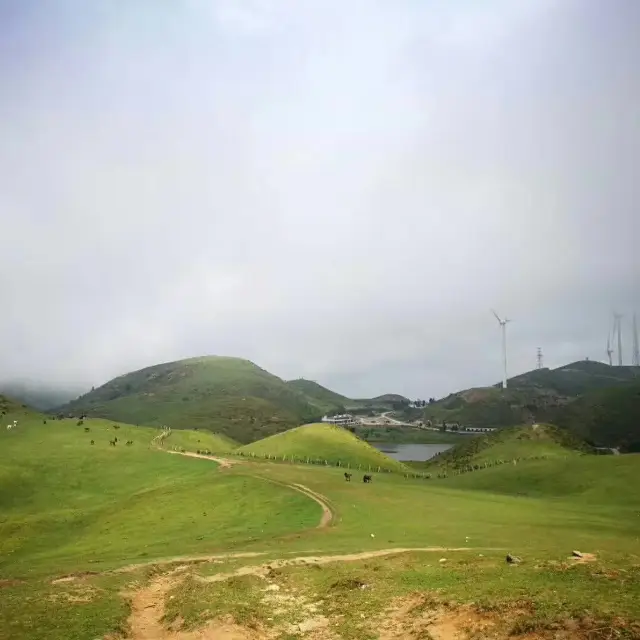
(319, 442)
(607, 417)
(319, 396)
(507, 444)
(230, 396)
(536, 396)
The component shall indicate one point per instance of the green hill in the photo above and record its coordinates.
(595, 479)
(535, 396)
(574, 379)
(319, 442)
(507, 444)
(230, 396)
(606, 417)
(319, 396)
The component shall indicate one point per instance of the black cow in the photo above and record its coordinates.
(112, 443)
(92, 442)
(366, 478)
(347, 477)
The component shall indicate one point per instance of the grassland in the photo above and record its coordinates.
(319, 443)
(67, 506)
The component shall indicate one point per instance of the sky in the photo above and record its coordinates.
(339, 191)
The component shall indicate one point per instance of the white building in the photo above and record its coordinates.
(343, 420)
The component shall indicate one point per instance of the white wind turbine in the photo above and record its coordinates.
(503, 326)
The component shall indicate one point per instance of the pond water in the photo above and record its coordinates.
(415, 452)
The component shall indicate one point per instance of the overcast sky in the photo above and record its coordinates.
(335, 189)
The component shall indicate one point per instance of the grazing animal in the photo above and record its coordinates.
(112, 443)
(366, 478)
(92, 442)
(115, 439)
(9, 427)
(86, 429)
(129, 442)
(347, 477)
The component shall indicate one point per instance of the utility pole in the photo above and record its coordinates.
(539, 358)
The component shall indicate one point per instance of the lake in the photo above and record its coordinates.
(416, 452)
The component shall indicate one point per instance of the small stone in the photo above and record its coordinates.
(373, 535)
(576, 554)
(443, 559)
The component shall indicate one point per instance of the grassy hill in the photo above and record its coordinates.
(230, 396)
(510, 443)
(319, 396)
(574, 379)
(586, 478)
(65, 502)
(607, 417)
(536, 396)
(323, 442)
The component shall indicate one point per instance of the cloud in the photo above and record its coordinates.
(335, 191)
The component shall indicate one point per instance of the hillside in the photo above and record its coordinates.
(574, 379)
(319, 396)
(319, 442)
(588, 478)
(606, 417)
(230, 396)
(536, 396)
(508, 444)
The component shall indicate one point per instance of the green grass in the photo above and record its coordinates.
(320, 442)
(319, 396)
(190, 440)
(66, 505)
(509, 444)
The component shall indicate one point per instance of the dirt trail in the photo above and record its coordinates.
(148, 603)
(147, 612)
(262, 570)
(226, 463)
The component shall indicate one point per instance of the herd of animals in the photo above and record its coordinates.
(347, 476)
(365, 478)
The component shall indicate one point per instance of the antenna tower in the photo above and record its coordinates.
(539, 358)
(636, 347)
(503, 327)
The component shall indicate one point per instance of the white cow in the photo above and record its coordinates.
(9, 426)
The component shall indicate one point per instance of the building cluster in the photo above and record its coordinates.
(342, 420)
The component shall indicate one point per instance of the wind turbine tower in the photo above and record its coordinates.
(609, 349)
(503, 327)
(636, 347)
(617, 329)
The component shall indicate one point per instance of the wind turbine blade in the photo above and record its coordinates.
(497, 316)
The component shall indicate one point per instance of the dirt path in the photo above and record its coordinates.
(148, 603)
(263, 569)
(227, 463)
